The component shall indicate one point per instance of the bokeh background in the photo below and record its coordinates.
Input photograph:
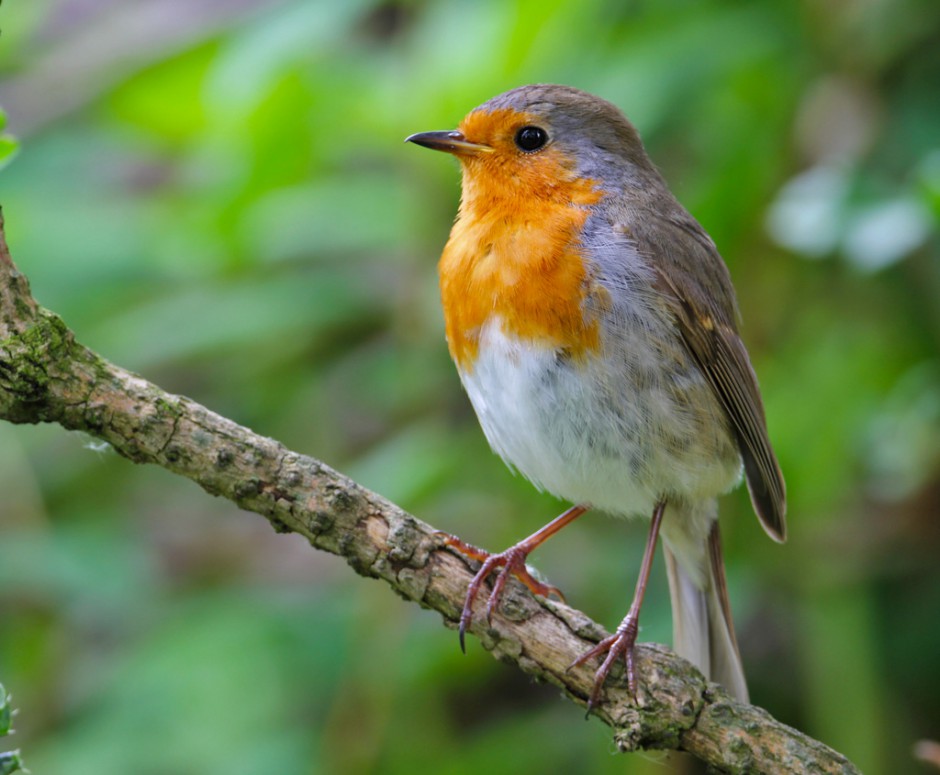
(215, 194)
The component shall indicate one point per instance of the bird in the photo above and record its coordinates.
(594, 327)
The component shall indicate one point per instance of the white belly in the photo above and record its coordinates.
(580, 431)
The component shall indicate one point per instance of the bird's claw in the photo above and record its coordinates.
(509, 563)
(621, 644)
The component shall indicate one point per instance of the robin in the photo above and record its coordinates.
(593, 324)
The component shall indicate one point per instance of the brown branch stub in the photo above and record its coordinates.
(46, 376)
(17, 305)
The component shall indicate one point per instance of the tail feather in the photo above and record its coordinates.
(703, 631)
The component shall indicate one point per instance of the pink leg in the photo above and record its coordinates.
(623, 641)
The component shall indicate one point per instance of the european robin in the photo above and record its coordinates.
(593, 324)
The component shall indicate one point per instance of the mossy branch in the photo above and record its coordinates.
(47, 376)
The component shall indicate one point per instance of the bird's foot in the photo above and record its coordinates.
(508, 563)
(621, 644)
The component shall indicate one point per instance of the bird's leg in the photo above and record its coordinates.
(512, 563)
(623, 641)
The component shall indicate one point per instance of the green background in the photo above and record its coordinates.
(216, 196)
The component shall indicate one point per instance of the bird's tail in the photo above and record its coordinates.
(703, 631)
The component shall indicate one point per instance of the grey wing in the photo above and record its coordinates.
(704, 311)
(724, 361)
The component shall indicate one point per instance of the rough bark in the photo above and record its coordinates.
(47, 376)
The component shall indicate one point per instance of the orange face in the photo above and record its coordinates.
(514, 251)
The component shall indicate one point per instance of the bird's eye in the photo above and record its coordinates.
(531, 138)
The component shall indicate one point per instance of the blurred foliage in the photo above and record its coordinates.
(8, 144)
(10, 761)
(215, 194)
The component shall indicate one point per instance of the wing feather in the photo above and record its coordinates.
(702, 302)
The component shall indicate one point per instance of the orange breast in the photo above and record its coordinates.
(515, 253)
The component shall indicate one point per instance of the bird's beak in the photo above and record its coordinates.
(451, 141)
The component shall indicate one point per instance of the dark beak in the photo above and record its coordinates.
(451, 141)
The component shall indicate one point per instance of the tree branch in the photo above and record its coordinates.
(47, 376)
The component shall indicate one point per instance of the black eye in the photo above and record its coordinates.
(531, 138)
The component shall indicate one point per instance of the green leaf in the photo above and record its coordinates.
(9, 145)
(11, 762)
(6, 712)
(8, 149)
